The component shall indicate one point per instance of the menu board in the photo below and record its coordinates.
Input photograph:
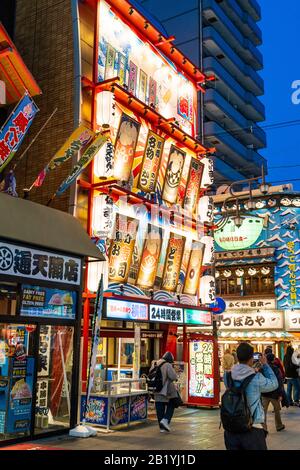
(42, 302)
(201, 381)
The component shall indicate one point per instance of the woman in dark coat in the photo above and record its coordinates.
(291, 373)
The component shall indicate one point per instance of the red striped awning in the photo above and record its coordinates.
(13, 71)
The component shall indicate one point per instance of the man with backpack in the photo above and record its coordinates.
(242, 413)
(160, 383)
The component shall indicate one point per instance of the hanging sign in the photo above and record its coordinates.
(150, 257)
(104, 161)
(125, 145)
(197, 317)
(16, 127)
(231, 237)
(192, 278)
(209, 251)
(165, 314)
(206, 210)
(125, 310)
(173, 263)
(102, 220)
(193, 185)
(121, 249)
(151, 162)
(270, 320)
(208, 173)
(207, 289)
(173, 175)
(201, 383)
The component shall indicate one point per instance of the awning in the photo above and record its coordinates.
(37, 225)
(13, 71)
(257, 335)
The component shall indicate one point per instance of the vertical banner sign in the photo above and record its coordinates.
(193, 185)
(86, 158)
(152, 92)
(151, 162)
(133, 73)
(102, 220)
(173, 262)
(78, 139)
(173, 175)
(122, 247)
(15, 129)
(143, 86)
(96, 337)
(293, 298)
(122, 68)
(110, 62)
(201, 382)
(125, 145)
(104, 161)
(192, 278)
(150, 257)
(136, 354)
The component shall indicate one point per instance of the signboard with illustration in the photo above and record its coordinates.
(231, 237)
(138, 407)
(119, 411)
(201, 372)
(42, 302)
(96, 410)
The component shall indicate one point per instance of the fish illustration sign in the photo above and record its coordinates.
(231, 237)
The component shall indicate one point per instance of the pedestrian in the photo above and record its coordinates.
(234, 356)
(257, 383)
(227, 364)
(163, 399)
(274, 397)
(291, 372)
(277, 361)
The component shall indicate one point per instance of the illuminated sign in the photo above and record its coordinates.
(123, 310)
(192, 278)
(201, 382)
(173, 263)
(166, 314)
(271, 320)
(150, 258)
(292, 320)
(231, 237)
(197, 317)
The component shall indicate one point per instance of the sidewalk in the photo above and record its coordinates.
(192, 429)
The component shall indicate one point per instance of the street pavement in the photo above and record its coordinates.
(192, 429)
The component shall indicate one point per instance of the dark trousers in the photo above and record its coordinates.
(164, 410)
(252, 440)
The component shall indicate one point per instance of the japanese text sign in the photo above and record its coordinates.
(123, 310)
(151, 162)
(15, 129)
(197, 317)
(49, 303)
(292, 320)
(168, 314)
(40, 265)
(201, 381)
(252, 321)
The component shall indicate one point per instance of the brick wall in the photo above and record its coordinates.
(44, 38)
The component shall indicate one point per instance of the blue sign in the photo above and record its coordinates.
(96, 410)
(219, 304)
(48, 303)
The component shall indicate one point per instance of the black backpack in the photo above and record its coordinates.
(235, 412)
(155, 379)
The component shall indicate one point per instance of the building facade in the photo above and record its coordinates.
(223, 37)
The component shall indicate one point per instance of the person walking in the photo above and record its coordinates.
(163, 399)
(257, 383)
(275, 397)
(227, 364)
(291, 372)
(234, 356)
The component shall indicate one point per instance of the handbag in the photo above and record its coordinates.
(177, 401)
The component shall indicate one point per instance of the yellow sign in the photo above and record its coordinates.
(173, 263)
(192, 278)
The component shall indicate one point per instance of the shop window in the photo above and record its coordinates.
(8, 299)
(54, 378)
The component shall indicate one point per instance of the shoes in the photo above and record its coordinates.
(281, 429)
(164, 423)
(163, 430)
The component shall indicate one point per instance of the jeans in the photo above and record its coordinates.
(164, 410)
(295, 385)
(225, 377)
(252, 440)
(276, 405)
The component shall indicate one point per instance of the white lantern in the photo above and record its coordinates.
(209, 251)
(103, 216)
(205, 210)
(207, 291)
(95, 269)
(208, 173)
(104, 161)
(105, 103)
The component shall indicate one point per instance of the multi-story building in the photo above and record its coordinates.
(222, 37)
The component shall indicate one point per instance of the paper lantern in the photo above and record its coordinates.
(207, 291)
(208, 173)
(105, 109)
(103, 216)
(209, 251)
(95, 269)
(205, 210)
(104, 161)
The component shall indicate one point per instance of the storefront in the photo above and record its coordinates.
(42, 254)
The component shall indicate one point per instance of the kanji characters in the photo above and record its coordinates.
(22, 262)
(56, 267)
(21, 122)
(40, 262)
(4, 150)
(71, 271)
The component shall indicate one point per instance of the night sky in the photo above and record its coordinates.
(281, 50)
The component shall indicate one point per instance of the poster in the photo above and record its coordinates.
(125, 145)
(193, 274)
(150, 257)
(110, 62)
(15, 128)
(121, 249)
(201, 381)
(138, 408)
(152, 92)
(151, 162)
(173, 175)
(133, 74)
(143, 86)
(96, 410)
(119, 411)
(182, 372)
(122, 61)
(47, 303)
(193, 185)
(43, 367)
(173, 263)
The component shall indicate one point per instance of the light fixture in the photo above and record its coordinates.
(146, 25)
(238, 221)
(131, 11)
(264, 187)
(172, 50)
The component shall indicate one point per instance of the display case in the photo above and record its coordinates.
(116, 404)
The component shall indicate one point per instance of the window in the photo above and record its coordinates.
(8, 298)
(245, 280)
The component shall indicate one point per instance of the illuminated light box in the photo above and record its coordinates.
(123, 310)
(197, 317)
(166, 314)
(231, 237)
(201, 373)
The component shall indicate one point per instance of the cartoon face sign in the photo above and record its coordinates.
(272, 202)
(296, 202)
(239, 272)
(285, 201)
(260, 204)
(252, 271)
(227, 273)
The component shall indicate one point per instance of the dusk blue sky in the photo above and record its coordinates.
(281, 50)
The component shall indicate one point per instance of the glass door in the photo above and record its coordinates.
(54, 378)
(17, 368)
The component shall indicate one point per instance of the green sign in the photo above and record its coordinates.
(197, 317)
(231, 237)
